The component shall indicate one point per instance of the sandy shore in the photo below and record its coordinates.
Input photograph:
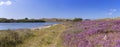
(43, 27)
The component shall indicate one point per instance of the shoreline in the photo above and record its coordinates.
(43, 27)
(35, 28)
(30, 28)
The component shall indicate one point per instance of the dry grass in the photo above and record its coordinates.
(47, 37)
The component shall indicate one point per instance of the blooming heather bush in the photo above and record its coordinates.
(95, 33)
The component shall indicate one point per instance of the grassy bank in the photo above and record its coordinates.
(47, 37)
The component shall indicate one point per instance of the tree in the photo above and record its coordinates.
(26, 18)
(77, 19)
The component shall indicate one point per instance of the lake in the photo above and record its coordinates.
(5, 26)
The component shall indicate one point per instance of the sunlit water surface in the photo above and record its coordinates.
(6, 26)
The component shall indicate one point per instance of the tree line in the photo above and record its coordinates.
(5, 20)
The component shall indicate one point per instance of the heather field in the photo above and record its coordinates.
(86, 33)
(95, 33)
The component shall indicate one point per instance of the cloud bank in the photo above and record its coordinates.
(5, 3)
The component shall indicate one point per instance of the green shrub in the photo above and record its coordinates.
(77, 19)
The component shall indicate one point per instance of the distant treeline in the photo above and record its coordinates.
(5, 20)
(62, 20)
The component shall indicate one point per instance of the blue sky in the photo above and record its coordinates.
(87, 9)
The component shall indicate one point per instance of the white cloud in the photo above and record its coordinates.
(8, 3)
(1, 3)
(111, 12)
(5, 3)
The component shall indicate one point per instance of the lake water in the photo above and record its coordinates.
(5, 26)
